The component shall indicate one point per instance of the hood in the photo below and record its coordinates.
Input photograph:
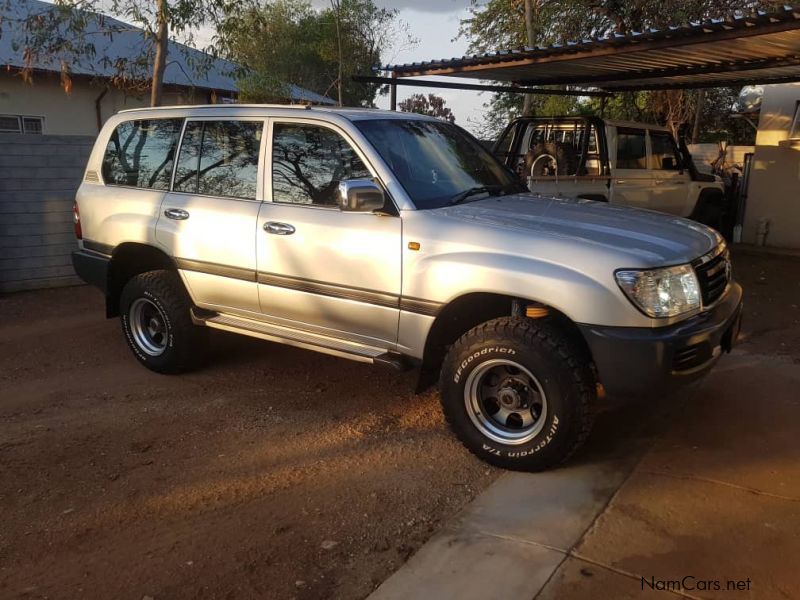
(653, 238)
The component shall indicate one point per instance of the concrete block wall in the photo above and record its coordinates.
(39, 175)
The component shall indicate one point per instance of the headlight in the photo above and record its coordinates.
(664, 292)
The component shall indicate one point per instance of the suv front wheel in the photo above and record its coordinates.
(156, 320)
(518, 394)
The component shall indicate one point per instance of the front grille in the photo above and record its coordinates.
(713, 276)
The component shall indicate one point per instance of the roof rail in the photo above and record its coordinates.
(196, 106)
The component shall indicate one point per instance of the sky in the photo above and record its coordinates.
(434, 23)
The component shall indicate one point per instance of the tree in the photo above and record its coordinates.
(69, 30)
(431, 105)
(287, 41)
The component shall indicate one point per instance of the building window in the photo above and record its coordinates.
(33, 125)
(21, 124)
(794, 130)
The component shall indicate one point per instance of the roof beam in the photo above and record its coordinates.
(714, 83)
(685, 70)
(512, 89)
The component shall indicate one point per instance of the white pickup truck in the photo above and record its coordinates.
(631, 164)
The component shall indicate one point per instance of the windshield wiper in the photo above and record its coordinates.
(474, 191)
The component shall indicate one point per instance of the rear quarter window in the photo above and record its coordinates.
(141, 153)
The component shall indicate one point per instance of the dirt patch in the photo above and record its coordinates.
(273, 472)
(771, 305)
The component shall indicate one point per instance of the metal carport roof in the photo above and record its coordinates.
(745, 49)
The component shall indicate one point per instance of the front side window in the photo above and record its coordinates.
(219, 158)
(141, 153)
(631, 149)
(664, 155)
(437, 162)
(309, 161)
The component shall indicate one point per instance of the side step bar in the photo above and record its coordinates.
(296, 337)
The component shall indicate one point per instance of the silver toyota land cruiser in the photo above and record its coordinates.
(396, 238)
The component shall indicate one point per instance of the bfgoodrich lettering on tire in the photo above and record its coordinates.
(518, 393)
(154, 310)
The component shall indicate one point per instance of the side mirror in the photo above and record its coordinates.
(668, 163)
(360, 195)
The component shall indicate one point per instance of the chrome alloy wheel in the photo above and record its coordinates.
(505, 401)
(148, 327)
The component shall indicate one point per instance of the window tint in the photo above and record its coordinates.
(663, 148)
(219, 158)
(308, 162)
(631, 149)
(140, 153)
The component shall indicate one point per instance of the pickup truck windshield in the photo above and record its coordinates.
(438, 164)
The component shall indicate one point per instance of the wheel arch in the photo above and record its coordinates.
(128, 260)
(469, 310)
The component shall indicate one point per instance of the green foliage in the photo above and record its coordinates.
(289, 41)
(67, 31)
(431, 105)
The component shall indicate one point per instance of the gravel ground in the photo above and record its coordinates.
(273, 472)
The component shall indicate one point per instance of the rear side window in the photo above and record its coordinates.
(631, 149)
(219, 158)
(141, 153)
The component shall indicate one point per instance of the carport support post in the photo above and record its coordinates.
(393, 93)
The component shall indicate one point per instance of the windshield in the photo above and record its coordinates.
(438, 164)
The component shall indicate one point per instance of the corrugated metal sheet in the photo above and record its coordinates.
(760, 48)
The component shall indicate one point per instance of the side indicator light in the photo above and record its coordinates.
(413, 246)
(536, 312)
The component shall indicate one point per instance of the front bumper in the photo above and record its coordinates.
(641, 361)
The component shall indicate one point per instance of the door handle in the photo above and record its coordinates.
(620, 181)
(278, 228)
(177, 214)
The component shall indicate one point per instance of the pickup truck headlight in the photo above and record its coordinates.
(667, 292)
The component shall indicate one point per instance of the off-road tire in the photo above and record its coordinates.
(563, 370)
(183, 341)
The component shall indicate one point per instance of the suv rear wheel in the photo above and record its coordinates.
(156, 320)
(518, 393)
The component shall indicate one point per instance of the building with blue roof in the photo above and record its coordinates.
(99, 85)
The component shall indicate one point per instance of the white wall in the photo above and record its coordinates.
(705, 154)
(774, 190)
(74, 113)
